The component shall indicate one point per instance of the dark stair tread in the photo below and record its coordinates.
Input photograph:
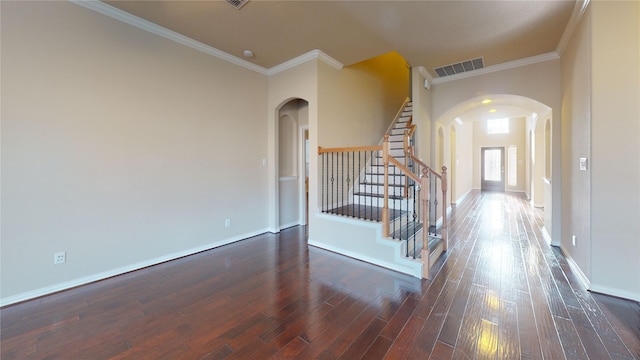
(434, 241)
(391, 197)
(406, 231)
(382, 184)
(364, 212)
(382, 174)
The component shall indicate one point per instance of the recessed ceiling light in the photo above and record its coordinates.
(492, 110)
(487, 101)
(248, 53)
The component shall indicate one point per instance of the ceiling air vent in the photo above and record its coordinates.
(460, 67)
(237, 3)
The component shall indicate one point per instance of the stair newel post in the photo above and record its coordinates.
(444, 182)
(424, 203)
(385, 208)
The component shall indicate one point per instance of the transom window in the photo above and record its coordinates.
(498, 126)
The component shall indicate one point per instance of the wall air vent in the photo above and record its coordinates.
(457, 68)
(237, 3)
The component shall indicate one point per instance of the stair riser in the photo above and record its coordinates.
(378, 201)
(378, 160)
(379, 178)
(402, 221)
(379, 189)
(396, 137)
(396, 131)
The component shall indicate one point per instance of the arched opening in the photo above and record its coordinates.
(292, 163)
(526, 141)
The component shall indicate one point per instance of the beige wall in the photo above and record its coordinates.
(119, 147)
(576, 143)
(464, 152)
(516, 137)
(359, 102)
(601, 121)
(615, 145)
(299, 82)
(421, 99)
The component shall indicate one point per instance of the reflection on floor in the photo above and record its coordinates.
(500, 292)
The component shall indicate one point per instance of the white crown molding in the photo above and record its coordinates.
(425, 74)
(499, 67)
(133, 20)
(578, 10)
(140, 23)
(311, 55)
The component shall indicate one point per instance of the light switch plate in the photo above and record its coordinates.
(584, 163)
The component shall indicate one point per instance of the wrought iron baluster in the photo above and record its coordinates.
(365, 179)
(415, 217)
(322, 156)
(353, 212)
(342, 182)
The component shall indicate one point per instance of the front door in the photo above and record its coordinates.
(492, 176)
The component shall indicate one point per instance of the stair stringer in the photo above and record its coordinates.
(362, 240)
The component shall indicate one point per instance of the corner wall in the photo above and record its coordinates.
(120, 148)
(615, 145)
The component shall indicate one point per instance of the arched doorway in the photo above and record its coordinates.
(292, 163)
(530, 151)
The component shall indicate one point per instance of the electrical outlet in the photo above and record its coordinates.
(227, 223)
(573, 240)
(59, 258)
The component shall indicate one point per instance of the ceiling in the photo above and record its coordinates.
(426, 33)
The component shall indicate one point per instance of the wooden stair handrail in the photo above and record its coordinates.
(322, 150)
(427, 173)
(404, 169)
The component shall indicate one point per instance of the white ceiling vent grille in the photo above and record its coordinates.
(237, 3)
(457, 68)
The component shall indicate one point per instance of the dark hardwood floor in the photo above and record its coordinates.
(499, 293)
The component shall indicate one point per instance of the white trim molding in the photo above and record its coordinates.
(311, 55)
(499, 67)
(122, 270)
(615, 292)
(125, 17)
(140, 23)
(584, 280)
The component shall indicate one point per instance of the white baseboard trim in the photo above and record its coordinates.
(615, 292)
(121, 270)
(576, 269)
(548, 238)
(367, 259)
(462, 198)
(291, 224)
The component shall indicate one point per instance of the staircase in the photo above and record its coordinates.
(353, 186)
(404, 227)
(371, 186)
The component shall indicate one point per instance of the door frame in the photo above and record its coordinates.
(492, 185)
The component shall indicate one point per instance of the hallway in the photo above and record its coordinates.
(500, 292)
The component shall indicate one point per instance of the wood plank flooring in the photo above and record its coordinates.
(499, 293)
